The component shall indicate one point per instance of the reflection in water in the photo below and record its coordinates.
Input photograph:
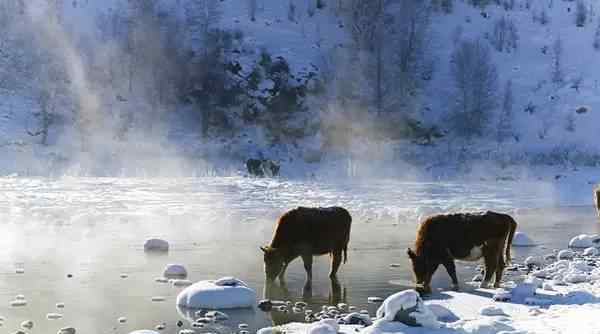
(337, 294)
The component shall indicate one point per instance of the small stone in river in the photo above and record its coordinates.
(53, 316)
(124, 275)
(18, 332)
(590, 251)
(243, 326)
(186, 331)
(122, 320)
(18, 303)
(175, 270)
(20, 297)
(297, 309)
(197, 325)
(161, 280)
(66, 330)
(477, 278)
(300, 304)
(20, 271)
(265, 305)
(375, 299)
(364, 312)
(282, 308)
(160, 327)
(27, 324)
(181, 282)
(179, 323)
(156, 245)
(352, 308)
(218, 315)
(244, 332)
(308, 311)
(395, 265)
(158, 299)
(69, 275)
(60, 305)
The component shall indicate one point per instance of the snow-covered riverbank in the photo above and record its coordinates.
(562, 296)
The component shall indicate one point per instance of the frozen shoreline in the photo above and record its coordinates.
(556, 307)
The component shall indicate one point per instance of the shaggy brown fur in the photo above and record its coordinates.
(467, 236)
(306, 232)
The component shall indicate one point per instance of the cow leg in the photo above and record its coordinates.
(490, 258)
(308, 259)
(500, 267)
(336, 261)
(451, 269)
(282, 273)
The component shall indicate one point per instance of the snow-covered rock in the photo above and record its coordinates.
(407, 307)
(501, 295)
(523, 290)
(156, 245)
(144, 331)
(585, 240)
(207, 294)
(175, 270)
(565, 254)
(491, 310)
(590, 251)
(520, 239)
(325, 326)
(534, 261)
(356, 318)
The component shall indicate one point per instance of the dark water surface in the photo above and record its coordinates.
(93, 230)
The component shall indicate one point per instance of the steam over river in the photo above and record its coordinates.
(75, 237)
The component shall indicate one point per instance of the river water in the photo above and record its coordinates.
(75, 237)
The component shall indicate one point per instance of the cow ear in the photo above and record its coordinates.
(410, 253)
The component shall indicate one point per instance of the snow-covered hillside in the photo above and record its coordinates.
(551, 121)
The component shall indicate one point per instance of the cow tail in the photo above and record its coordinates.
(509, 239)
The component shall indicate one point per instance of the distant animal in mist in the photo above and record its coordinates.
(305, 232)
(464, 236)
(262, 167)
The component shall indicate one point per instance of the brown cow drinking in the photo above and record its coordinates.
(304, 232)
(467, 236)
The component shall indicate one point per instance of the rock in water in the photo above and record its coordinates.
(27, 324)
(408, 308)
(491, 311)
(208, 295)
(66, 330)
(356, 318)
(565, 254)
(521, 239)
(585, 240)
(175, 270)
(156, 245)
(265, 305)
(590, 251)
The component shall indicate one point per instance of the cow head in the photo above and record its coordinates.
(274, 262)
(423, 269)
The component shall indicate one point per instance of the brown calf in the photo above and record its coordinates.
(443, 238)
(306, 232)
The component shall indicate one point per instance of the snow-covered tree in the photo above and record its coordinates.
(596, 42)
(252, 10)
(556, 69)
(475, 77)
(504, 36)
(505, 121)
(580, 14)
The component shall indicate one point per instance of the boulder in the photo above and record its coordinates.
(175, 270)
(208, 295)
(408, 308)
(156, 245)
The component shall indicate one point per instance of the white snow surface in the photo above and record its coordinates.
(207, 294)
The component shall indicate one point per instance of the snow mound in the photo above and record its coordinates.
(565, 254)
(521, 239)
(534, 261)
(156, 245)
(502, 295)
(590, 251)
(585, 241)
(175, 270)
(325, 326)
(491, 311)
(207, 294)
(143, 331)
(524, 290)
(396, 305)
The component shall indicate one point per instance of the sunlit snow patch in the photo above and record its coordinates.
(521, 239)
(585, 241)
